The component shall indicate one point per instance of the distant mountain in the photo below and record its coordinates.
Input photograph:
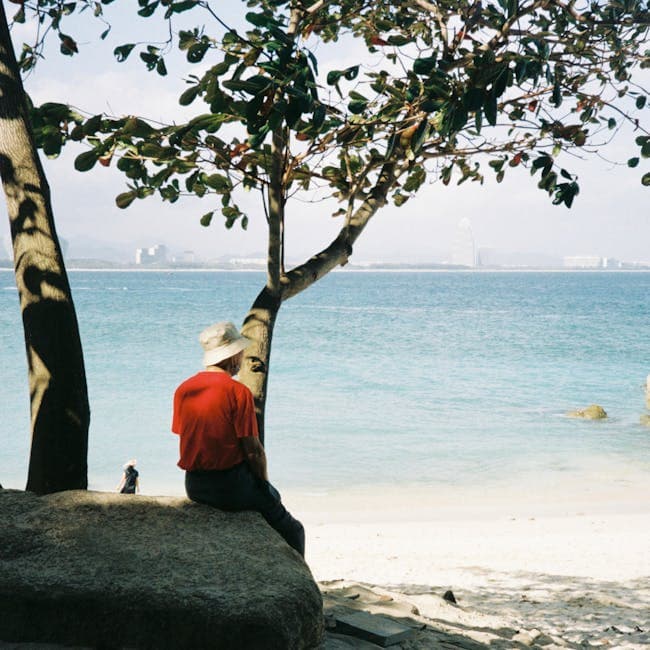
(77, 248)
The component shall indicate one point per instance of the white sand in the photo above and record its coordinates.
(571, 558)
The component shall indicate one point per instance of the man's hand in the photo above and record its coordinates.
(255, 456)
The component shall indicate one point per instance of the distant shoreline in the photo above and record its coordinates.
(415, 269)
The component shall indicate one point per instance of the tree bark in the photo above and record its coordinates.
(60, 413)
(258, 326)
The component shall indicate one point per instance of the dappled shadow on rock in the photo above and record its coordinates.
(110, 570)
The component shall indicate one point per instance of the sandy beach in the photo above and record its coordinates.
(565, 564)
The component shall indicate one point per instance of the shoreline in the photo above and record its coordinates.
(351, 270)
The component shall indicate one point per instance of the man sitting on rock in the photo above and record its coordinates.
(220, 450)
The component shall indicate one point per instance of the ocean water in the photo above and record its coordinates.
(399, 378)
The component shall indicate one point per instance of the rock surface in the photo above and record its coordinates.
(592, 412)
(122, 571)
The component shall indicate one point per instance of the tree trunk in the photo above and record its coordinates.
(57, 380)
(258, 326)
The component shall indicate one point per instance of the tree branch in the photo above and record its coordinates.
(276, 212)
(338, 252)
(442, 23)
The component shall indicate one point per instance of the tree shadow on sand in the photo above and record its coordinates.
(514, 610)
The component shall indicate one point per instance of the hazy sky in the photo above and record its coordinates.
(611, 216)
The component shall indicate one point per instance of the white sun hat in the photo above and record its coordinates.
(221, 341)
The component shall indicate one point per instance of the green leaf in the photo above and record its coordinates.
(556, 97)
(85, 161)
(645, 149)
(217, 182)
(319, 116)
(252, 86)
(178, 7)
(161, 68)
(424, 65)
(189, 95)
(633, 162)
(641, 101)
(206, 219)
(473, 99)
(333, 77)
(19, 16)
(260, 20)
(122, 52)
(646, 179)
(490, 108)
(138, 128)
(351, 73)
(52, 146)
(151, 150)
(357, 106)
(125, 199)
(398, 40)
(196, 52)
(148, 10)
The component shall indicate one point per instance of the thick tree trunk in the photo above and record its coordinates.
(57, 381)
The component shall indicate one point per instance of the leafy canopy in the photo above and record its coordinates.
(440, 91)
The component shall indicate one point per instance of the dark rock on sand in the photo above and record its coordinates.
(110, 570)
(449, 596)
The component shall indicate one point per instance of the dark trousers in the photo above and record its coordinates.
(238, 488)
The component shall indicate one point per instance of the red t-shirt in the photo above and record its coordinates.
(211, 412)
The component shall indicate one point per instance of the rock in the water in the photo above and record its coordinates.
(645, 420)
(110, 570)
(592, 412)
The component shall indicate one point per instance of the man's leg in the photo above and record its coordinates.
(279, 518)
(238, 489)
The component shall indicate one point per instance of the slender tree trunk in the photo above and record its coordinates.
(259, 323)
(57, 381)
(258, 326)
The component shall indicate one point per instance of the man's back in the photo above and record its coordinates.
(212, 412)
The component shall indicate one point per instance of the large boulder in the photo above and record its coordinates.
(112, 571)
(592, 412)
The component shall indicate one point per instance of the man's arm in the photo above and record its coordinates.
(255, 456)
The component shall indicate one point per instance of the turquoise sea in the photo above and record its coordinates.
(430, 378)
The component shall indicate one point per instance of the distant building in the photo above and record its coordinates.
(583, 262)
(612, 263)
(248, 261)
(494, 258)
(463, 252)
(154, 255)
